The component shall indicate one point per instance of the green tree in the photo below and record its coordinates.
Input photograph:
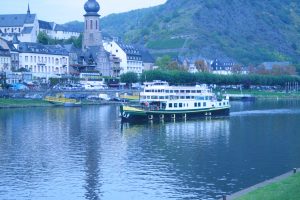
(129, 77)
(163, 62)
(43, 38)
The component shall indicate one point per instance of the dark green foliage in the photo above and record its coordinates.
(43, 38)
(249, 32)
(180, 77)
(129, 77)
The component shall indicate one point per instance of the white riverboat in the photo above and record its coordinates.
(160, 101)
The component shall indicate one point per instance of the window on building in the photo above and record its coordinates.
(91, 22)
(96, 24)
(26, 58)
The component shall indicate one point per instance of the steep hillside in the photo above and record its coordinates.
(249, 32)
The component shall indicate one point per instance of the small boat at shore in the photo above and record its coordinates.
(60, 101)
(160, 101)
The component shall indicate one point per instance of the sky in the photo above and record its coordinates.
(61, 11)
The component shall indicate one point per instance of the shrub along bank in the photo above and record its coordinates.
(182, 77)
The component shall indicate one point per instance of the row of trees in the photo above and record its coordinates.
(176, 77)
(45, 39)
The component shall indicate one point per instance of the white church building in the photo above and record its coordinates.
(27, 27)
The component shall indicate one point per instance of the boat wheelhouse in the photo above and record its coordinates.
(160, 101)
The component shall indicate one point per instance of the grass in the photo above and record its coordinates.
(9, 103)
(266, 94)
(288, 189)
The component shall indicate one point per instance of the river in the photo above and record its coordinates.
(85, 153)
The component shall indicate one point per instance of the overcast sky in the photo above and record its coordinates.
(61, 11)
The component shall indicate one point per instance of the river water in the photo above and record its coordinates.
(85, 153)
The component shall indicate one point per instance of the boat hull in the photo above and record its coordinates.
(130, 114)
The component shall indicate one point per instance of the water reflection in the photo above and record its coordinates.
(84, 153)
(178, 152)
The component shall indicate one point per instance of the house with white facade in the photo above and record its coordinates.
(223, 67)
(43, 61)
(5, 59)
(130, 56)
(25, 26)
(56, 31)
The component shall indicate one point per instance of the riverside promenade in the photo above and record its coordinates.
(277, 179)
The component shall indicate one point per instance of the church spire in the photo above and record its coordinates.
(28, 10)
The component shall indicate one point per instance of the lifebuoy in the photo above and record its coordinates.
(150, 117)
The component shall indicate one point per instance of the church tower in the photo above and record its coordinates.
(92, 38)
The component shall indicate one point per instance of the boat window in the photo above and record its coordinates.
(188, 97)
(198, 91)
(176, 91)
(167, 91)
(170, 105)
(199, 104)
(220, 104)
(154, 97)
(181, 91)
(152, 91)
(180, 105)
(171, 91)
(193, 91)
(161, 97)
(148, 90)
(195, 104)
(155, 90)
(166, 97)
(192, 97)
(175, 105)
(204, 104)
(181, 97)
(188, 91)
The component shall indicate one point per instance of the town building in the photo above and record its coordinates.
(5, 59)
(223, 67)
(130, 56)
(56, 31)
(5, 56)
(44, 61)
(27, 27)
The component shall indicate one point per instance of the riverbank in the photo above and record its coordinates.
(26, 103)
(284, 187)
(23, 103)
